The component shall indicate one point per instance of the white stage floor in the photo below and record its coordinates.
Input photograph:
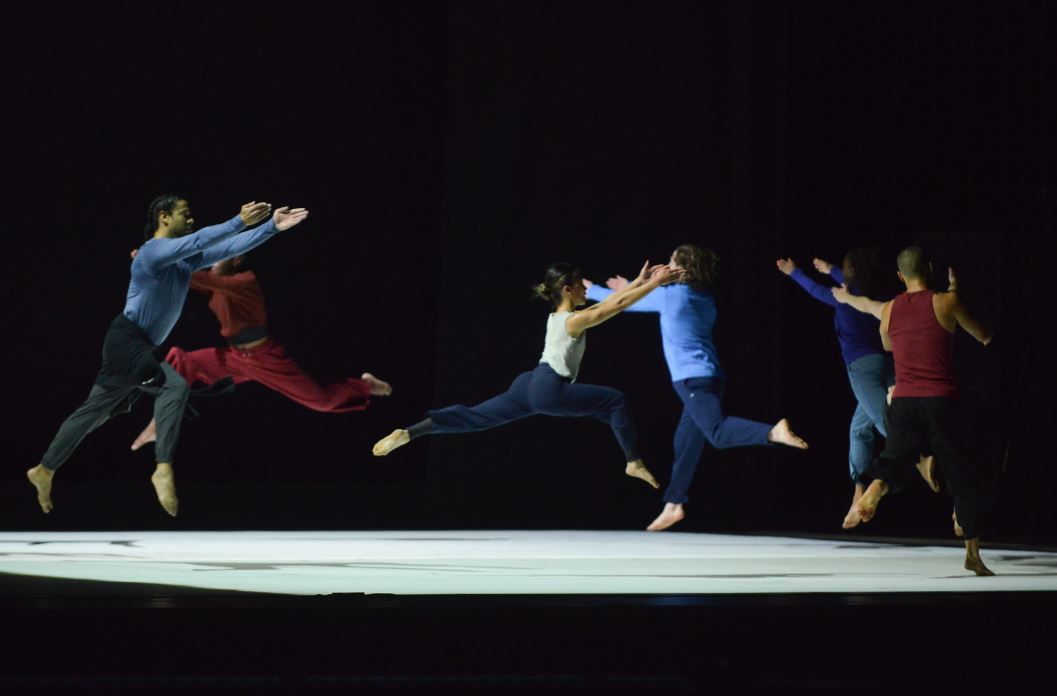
(512, 562)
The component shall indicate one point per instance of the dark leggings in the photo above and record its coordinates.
(540, 391)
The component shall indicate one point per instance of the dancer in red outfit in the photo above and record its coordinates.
(253, 356)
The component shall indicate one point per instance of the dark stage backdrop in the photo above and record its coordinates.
(448, 153)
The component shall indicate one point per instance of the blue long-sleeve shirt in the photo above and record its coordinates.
(858, 333)
(161, 271)
(687, 319)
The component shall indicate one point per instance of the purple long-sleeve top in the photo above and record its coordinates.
(858, 333)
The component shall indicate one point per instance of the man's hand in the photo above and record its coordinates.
(952, 281)
(785, 265)
(132, 254)
(587, 283)
(286, 217)
(841, 294)
(254, 212)
(617, 283)
(822, 266)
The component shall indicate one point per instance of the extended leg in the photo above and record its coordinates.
(505, 408)
(273, 368)
(100, 405)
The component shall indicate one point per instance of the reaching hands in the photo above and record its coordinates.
(786, 266)
(587, 283)
(663, 274)
(822, 266)
(617, 283)
(254, 212)
(841, 294)
(286, 217)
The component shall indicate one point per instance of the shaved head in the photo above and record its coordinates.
(912, 264)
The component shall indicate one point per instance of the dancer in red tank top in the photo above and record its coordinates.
(918, 327)
(252, 355)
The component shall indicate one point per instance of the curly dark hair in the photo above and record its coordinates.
(699, 266)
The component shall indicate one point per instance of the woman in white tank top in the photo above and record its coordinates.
(551, 388)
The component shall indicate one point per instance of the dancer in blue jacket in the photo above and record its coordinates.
(688, 314)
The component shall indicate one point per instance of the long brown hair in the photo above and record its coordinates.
(699, 266)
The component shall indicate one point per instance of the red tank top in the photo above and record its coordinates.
(923, 349)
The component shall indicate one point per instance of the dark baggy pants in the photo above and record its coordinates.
(106, 401)
(130, 368)
(938, 423)
(543, 391)
(702, 420)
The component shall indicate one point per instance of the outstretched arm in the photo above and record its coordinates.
(649, 279)
(858, 302)
(965, 320)
(827, 268)
(652, 302)
(283, 219)
(207, 282)
(819, 292)
(166, 251)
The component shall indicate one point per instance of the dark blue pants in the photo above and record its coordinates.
(703, 420)
(543, 391)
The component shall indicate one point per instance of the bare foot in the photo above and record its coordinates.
(378, 387)
(783, 434)
(165, 486)
(672, 513)
(867, 505)
(149, 435)
(40, 477)
(958, 531)
(973, 561)
(637, 469)
(397, 438)
(926, 466)
(853, 518)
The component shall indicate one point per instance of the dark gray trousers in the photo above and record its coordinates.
(105, 402)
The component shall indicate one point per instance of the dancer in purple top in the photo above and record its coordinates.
(869, 368)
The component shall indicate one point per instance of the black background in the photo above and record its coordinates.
(448, 153)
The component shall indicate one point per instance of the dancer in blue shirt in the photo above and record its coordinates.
(688, 314)
(870, 370)
(160, 276)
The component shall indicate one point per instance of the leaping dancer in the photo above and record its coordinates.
(870, 370)
(160, 275)
(551, 388)
(688, 315)
(918, 328)
(252, 355)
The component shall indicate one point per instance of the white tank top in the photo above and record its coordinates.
(560, 350)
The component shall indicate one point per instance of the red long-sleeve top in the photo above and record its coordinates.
(236, 299)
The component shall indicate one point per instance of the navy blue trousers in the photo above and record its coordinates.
(702, 420)
(543, 391)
